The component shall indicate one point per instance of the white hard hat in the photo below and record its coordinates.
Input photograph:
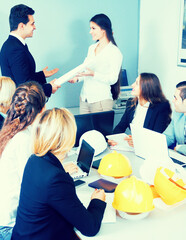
(95, 139)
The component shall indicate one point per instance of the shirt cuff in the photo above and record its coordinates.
(178, 147)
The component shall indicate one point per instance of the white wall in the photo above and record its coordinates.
(62, 36)
(158, 42)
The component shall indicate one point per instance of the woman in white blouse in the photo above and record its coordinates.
(149, 109)
(101, 82)
(27, 101)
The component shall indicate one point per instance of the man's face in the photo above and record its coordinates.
(29, 27)
(179, 104)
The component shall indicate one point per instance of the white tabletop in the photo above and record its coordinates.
(158, 225)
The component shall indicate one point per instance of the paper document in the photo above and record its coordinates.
(122, 145)
(69, 75)
(110, 212)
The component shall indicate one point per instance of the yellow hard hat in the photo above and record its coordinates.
(115, 165)
(169, 186)
(133, 196)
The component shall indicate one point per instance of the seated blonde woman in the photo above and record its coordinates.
(49, 207)
(7, 89)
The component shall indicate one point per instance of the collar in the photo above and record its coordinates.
(53, 159)
(18, 37)
(146, 105)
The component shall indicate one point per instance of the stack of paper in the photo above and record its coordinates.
(69, 75)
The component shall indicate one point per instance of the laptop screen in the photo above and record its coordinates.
(100, 121)
(85, 157)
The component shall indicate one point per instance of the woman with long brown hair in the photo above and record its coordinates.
(149, 108)
(27, 101)
(102, 82)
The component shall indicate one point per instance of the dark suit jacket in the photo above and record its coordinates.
(17, 63)
(157, 117)
(1, 121)
(49, 208)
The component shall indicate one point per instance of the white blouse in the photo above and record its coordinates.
(140, 114)
(106, 70)
(12, 164)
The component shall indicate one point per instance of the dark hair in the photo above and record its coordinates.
(182, 87)
(104, 23)
(19, 14)
(150, 89)
(27, 101)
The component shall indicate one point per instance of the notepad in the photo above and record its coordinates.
(103, 184)
(122, 145)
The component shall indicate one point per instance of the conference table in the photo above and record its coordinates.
(159, 224)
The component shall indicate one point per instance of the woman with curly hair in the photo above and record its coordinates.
(27, 101)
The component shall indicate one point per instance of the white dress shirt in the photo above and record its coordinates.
(18, 37)
(12, 163)
(106, 70)
(140, 114)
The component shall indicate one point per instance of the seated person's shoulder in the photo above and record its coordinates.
(23, 135)
(162, 106)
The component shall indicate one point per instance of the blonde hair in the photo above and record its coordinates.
(7, 89)
(54, 131)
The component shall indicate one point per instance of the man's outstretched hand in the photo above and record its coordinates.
(51, 72)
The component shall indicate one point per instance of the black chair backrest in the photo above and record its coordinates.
(100, 121)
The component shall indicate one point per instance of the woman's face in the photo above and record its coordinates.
(96, 32)
(136, 87)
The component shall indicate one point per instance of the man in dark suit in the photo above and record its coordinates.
(15, 59)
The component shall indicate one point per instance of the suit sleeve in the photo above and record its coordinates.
(125, 120)
(63, 198)
(20, 67)
(162, 118)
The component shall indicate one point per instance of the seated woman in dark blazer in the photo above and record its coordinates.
(149, 109)
(49, 207)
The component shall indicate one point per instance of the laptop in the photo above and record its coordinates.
(138, 140)
(148, 144)
(84, 161)
(100, 121)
